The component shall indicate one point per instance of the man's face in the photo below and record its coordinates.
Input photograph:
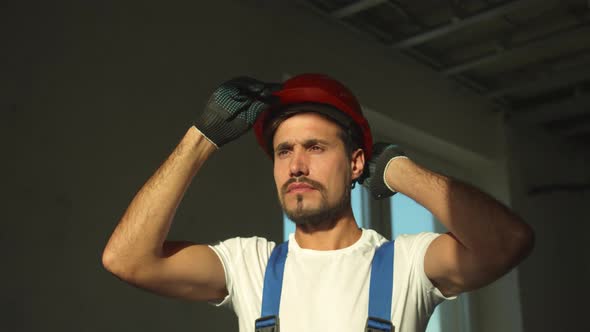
(312, 170)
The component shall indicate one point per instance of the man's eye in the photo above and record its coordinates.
(281, 152)
(316, 148)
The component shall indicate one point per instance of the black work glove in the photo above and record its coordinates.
(372, 177)
(233, 107)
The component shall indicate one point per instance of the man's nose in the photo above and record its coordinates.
(299, 164)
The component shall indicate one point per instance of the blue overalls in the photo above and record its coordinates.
(380, 290)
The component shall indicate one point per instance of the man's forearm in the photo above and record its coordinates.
(142, 230)
(479, 222)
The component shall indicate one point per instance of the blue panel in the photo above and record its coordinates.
(288, 227)
(409, 217)
(357, 196)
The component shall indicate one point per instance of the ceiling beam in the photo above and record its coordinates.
(355, 7)
(460, 23)
(409, 53)
(555, 37)
(402, 11)
(548, 82)
(434, 64)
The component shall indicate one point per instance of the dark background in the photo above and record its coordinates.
(94, 95)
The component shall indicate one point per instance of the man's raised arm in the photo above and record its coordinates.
(486, 239)
(137, 251)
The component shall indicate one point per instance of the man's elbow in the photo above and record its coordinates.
(523, 242)
(114, 264)
(109, 261)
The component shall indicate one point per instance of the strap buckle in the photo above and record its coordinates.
(267, 324)
(375, 324)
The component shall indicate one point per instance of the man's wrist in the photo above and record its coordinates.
(394, 172)
(199, 132)
(199, 139)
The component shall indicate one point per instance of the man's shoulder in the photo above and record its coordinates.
(402, 241)
(414, 244)
(373, 237)
(416, 237)
(246, 241)
(245, 246)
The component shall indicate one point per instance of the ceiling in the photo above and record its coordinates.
(530, 57)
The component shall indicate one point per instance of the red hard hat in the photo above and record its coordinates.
(316, 89)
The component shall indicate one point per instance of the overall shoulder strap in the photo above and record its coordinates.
(271, 290)
(381, 289)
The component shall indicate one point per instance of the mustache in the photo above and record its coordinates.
(301, 179)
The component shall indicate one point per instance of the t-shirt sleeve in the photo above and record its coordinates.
(415, 247)
(243, 257)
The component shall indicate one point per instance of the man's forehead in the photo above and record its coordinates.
(304, 127)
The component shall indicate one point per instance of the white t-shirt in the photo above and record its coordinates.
(329, 290)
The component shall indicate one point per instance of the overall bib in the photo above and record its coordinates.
(380, 290)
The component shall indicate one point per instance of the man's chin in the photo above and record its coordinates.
(298, 213)
(294, 201)
(313, 216)
(305, 218)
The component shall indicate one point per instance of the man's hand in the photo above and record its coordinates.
(233, 108)
(373, 176)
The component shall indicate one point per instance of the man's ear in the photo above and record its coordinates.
(357, 163)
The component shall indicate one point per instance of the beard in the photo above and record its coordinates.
(324, 213)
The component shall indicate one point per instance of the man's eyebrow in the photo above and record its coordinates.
(283, 146)
(306, 143)
(314, 141)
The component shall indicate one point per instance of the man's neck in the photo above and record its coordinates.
(339, 234)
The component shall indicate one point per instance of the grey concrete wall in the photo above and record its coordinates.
(554, 278)
(95, 96)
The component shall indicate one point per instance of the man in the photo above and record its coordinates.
(320, 144)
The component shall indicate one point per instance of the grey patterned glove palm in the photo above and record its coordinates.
(373, 177)
(233, 108)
